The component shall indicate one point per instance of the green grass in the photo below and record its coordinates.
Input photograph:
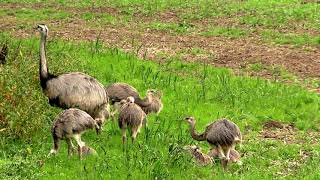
(287, 38)
(31, 14)
(189, 89)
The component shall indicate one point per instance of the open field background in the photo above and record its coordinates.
(250, 61)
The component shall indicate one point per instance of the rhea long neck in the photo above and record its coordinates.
(145, 102)
(194, 135)
(43, 69)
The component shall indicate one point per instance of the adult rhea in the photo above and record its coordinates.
(221, 134)
(73, 89)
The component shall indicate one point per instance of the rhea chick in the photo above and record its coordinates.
(155, 105)
(221, 134)
(71, 123)
(201, 158)
(131, 116)
(88, 151)
(119, 91)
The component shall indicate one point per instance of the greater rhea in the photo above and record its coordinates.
(71, 123)
(221, 134)
(73, 89)
(119, 91)
(131, 116)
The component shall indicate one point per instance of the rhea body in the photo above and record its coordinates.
(131, 116)
(71, 124)
(221, 134)
(120, 91)
(73, 89)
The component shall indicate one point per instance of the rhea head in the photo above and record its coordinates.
(151, 92)
(130, 99)
(195, 148)
(43, 29)
(192, 148)
(190, 120)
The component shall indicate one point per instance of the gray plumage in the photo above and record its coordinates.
(222, 134)
(74, 89)
(71, 123)
(131, 116)
(119, 91)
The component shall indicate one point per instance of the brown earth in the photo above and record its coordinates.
(147, 43)
(287, 133)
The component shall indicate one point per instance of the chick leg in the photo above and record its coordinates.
(80, 143)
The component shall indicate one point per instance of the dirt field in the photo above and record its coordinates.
(236, 53)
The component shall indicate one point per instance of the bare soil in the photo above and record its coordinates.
(287, 133)
(147, 43)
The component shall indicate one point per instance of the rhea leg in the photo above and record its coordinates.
(56, 145)
(70, 146)
(80, 143)
(134, 134)
(135, 131)
(145, 122)
(124, 136)
(221, 153)
(228, 153)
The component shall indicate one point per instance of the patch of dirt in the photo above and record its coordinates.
(147, 43)
(287, 133)
(279, 131)
(273, 124)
